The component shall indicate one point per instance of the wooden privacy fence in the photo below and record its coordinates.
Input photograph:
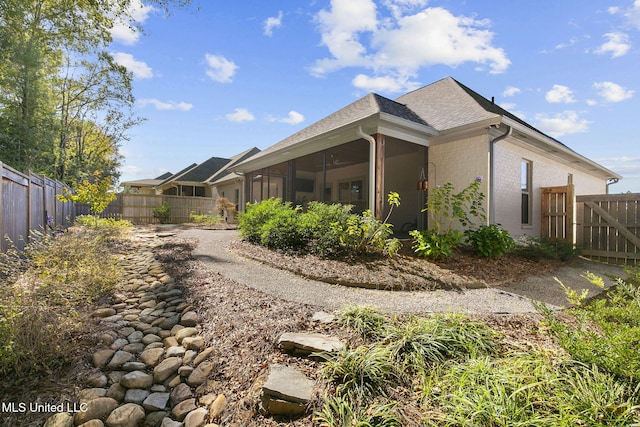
(28, 203)
(138, 208)
(609, 227)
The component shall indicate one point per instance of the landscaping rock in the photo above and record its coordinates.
(166, 368)
(102, 357)
(217, 406)
(200, 373)
(180, 393)
(127, 415)
(185, 332)
(136, 395)
(196, 418)
(119, 359)
(98, 408)
(305, 344)
(136, 379)
(156, 401)
(286, 392)
(190, 318)
(61, 419)
(181, 410)
(152, 356)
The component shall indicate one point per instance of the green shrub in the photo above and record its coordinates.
(545, 248)
(429, 244)
(321, 230)
(207, 219)
(489, 241)
(525, 389)
(607, 331)
(251, 222)
(162, 213)
(282, 229)
(322, 227)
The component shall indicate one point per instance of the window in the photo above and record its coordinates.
(525, 185)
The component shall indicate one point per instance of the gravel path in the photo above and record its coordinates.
(212, 250)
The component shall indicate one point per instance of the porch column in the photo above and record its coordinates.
(379, 177)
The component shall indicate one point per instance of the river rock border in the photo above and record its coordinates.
(151, 358)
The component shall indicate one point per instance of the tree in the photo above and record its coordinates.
(57, 81)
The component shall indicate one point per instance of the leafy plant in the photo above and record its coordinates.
(422, 342)
(207, 219)
(162, 212)
(430, 244)
(38, 318)
(226, 210)
(446, 207)
(96, 193)
(606, 331)
(322, 229)
(359, 373)
(366, 320)
(543, 247)
(489, 241)
(339, 411)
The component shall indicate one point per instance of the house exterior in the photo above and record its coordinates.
(145, 186)
(443, 132)
(200, 180)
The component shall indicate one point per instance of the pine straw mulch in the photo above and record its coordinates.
(404, 271)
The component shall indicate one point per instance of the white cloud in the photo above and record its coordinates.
(125, 32)
(511, 91)
(165, 106)
(560, 94)
(293, 118)
(401, 7)
(567, 122)
(403, 43)
(387, 84)
(240, 115)
(617, 45)
(612, 92)
(139, 69)
(633, 14)
(271, 23)
(220, 69)
(612, 10)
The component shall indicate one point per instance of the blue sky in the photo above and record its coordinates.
(221, 77)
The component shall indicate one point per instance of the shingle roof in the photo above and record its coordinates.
(225, 171)
(445, 104)
(204, 170)
(364, 107)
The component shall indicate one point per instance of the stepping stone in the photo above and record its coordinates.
(304, 344)
(286, 392)
(323, 317)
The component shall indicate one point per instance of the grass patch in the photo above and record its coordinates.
(44, 290)
(448, 370)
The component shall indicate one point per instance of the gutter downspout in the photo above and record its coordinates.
(492, 173)
(611, 181)
(372, 168)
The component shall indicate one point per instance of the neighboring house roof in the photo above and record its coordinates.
(213, 169)
(225, 173)
(147, 182)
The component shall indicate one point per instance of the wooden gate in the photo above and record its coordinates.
(557, 212)
(609, 227)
